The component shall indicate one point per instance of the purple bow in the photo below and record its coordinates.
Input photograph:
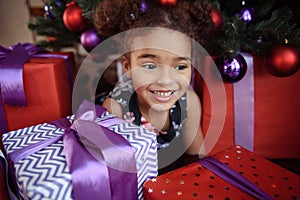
(94, 155)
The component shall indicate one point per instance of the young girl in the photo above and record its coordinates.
(157, 93)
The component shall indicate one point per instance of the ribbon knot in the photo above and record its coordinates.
(31, 49)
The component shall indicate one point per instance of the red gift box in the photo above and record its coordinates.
(47, 85)
(194, 181)
(276, 109)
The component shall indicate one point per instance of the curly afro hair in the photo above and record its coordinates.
(191, 18)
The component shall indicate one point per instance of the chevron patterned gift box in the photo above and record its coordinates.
(45, 173)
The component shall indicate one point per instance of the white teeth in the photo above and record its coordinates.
(164, 94)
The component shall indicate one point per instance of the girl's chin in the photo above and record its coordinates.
(160, 107)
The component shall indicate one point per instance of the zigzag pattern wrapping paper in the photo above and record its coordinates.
(45, 175)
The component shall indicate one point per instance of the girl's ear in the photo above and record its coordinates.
(126, 65)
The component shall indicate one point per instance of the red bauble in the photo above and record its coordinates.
(73, 19)
(283, 61)
(217, 18)
(168, 2)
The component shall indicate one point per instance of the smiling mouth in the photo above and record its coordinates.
(163, 93)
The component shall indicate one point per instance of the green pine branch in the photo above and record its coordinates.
(88, 8)
(269, 26)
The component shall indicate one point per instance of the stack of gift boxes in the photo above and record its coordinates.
(37, 144)
(51, 154)
(39, 90)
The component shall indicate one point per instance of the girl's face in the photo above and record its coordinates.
(160, 69)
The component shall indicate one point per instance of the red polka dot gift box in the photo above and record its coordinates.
(234, 173)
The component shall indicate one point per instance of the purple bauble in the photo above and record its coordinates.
(247, 14)
(144, 6)
(232, 69)
(89, 39)
(48, 11)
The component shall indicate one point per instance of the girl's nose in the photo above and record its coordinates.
(165, 76)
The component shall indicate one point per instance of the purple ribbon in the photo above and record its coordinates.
(3, 126)
(93, 155)
(11, 74)
(244, 107)
(233, 177)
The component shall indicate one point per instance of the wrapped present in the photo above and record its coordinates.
(82, 157)
(34, 87)
(234, 173)
(261, 111)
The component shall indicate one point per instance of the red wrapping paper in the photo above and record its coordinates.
(276, 113)
(196, 182)
(48, 92)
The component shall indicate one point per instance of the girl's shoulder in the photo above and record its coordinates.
(113, 107)
(122, 93)
(121, 88)
(117, 102)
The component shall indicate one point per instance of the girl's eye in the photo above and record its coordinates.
(149, 66)
(181, 67)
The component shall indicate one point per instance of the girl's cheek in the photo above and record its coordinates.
(184, 79)
(141, 81)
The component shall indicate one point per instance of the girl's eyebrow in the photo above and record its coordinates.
(146, 55)
(184, 58)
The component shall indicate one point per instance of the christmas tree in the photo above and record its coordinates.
(242, 25)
